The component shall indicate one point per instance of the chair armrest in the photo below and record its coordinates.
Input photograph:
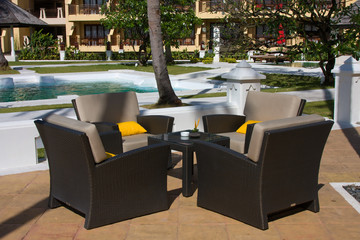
(249, 131)
(156, 124)
(106, 126)
(112, 141)
(221, 123)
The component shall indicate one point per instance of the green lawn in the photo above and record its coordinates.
(173, 70)
(10, 71)
(323, 108)
(35, 108)
(29, 63)
(287, 83)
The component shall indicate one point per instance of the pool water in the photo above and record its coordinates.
(23, 92)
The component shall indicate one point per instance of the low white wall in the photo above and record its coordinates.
(18, 139)
(185, 117)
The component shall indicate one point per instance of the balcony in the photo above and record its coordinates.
(51, 16)
(84, 12)
(87, 9)
(211, 9)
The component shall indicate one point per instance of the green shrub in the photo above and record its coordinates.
(230, 60)
(207, 60)
(194, 60)
(41, 47)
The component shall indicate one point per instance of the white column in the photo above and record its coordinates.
(60, 12)
(347, 91)
(12, 42)
(216, 47)
(241, 80)
(42, 13)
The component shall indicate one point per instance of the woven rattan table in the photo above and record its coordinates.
(186, 146)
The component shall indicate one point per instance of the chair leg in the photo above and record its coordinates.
(53, 202)
(313, 205)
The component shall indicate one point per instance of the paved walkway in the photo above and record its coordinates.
(24, 214)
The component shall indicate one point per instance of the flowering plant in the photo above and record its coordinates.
(196, 125)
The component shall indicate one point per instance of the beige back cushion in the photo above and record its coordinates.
(108, 107)
(237, 141)
(89, 129)
(261, 106)
(260, 128)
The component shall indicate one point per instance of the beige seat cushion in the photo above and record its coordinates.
(260, 128)
(237, 141)
(108, 107)
(262, 106)
(89, 129)
(135, 141)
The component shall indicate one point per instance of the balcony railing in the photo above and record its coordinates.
(92, 41)
(186, 41)
(75, 9)
(74, 41)
(48, 13)
(210, 5)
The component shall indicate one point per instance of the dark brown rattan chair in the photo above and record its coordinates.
(259, 106)
(279, 172)
(125, 186)
(107, 109)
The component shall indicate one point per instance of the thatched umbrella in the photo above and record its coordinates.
(12, 16)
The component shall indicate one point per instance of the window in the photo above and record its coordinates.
(94, 31)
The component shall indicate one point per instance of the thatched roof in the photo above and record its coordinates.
(13, 15)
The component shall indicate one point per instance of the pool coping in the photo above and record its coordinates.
(338, 186)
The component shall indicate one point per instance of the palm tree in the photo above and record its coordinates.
(166, 92)
(3, 62)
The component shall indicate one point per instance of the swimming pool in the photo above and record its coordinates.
(51, 86)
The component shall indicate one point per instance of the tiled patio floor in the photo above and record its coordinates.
(24, 213)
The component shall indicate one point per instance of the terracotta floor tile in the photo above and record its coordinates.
(39, 185)
(344, 231)
(195, 232)
(243, 231)
(188, 201)
(331, 215)
(164, 217)
(5, 200)
(303, 231)
(302, 217)
(30, 201)
(149, 232)
(197, 215)
(328, 197)
(56, 231)
(19, 215)
(13, 184)
(61, 215)
(14, 231)
(117, 231)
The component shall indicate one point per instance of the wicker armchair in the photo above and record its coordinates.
(105, 189)
(105, 110)
(259, 106)
(279, 172)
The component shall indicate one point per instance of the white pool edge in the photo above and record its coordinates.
(338, 186)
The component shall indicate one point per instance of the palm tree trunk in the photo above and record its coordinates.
(4, 65)
(166, 92)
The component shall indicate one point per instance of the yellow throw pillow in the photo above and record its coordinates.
(109, 155)
(130, 128)
(243, 127)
